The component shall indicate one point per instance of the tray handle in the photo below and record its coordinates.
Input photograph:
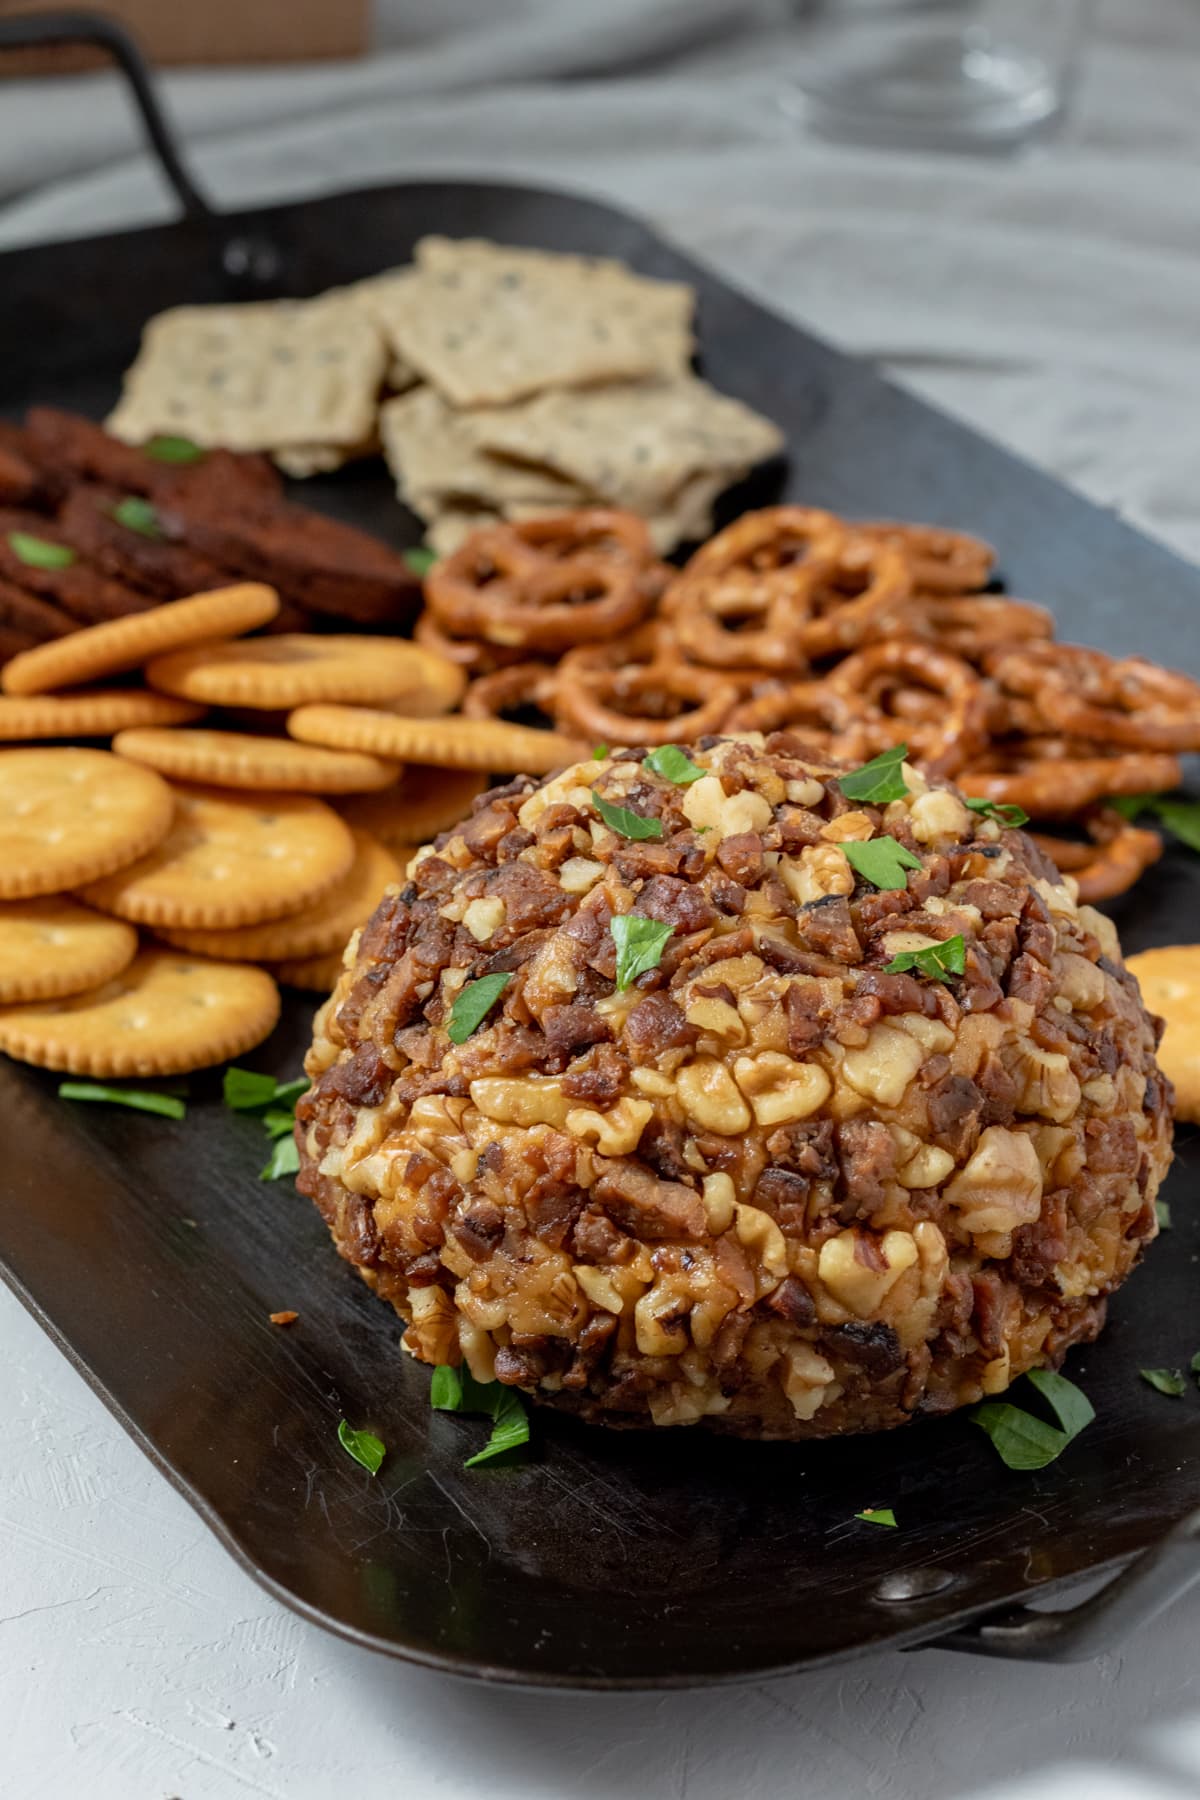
(249, 260)
(1143, 1590)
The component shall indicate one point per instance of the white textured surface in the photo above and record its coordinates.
(1052, 300)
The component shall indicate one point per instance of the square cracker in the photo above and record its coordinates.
(487, 324)
(635, 445)
(434, 454)
(269, 375)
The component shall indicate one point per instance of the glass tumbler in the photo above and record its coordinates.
(937, 74)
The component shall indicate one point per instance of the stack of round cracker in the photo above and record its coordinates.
(140, 887)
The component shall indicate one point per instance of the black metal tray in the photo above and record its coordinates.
(152, 1254)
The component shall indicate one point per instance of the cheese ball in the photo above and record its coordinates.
(787, 1113)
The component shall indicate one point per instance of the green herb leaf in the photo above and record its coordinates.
(445, 1390)
(1181, 817)
(625, 823)
(881, 861)
(599, 753)
(1162, 1212)
(938, 961)
(137, 515)
(1023, 1441)
(640, 944)
(456, 1390)
(363, 1446)
(38, 553)
(276, 1122)
(285, 1160)
(510, 1430)
(880, 780)
(673, 764)
(1006, 812)
(243, 1090)
(1069, 1404)
(169, 449)
(877, 1515)
(420, 559)
(139, 1099)
(1194, 1365)
(1020, 1440)
(1167, 1381)
(472, 1005)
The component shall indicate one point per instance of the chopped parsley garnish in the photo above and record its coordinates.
(363, 1446)
(137, 515)
(285, 1160)
(877, 1515)
(139, 1099)
(627, 824)
(880, 780)
(672, 764)
(938, 961)
(1181, 817)
(640, 944)
(1162, 1213)
(168, 449)
(1167, 1381)
(420, 559)
(277, 1121)
(1005, 812)
(1194, 1365)
(881, 861)
(472, 1005)
(39, 553)
(456, 1390)
(600, 752)
(1023, 1441)
(244, 1090)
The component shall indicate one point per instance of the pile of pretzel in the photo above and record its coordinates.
(850, 637)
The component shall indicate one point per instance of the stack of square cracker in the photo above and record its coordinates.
(521, 382)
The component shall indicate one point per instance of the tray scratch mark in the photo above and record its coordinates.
(462, 1511)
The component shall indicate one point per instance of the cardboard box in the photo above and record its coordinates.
(206, 31)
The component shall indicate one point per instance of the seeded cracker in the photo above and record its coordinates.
(263, 376)
(229, 859)
(165, 1014)
(68, 815)
(433, 451)
(488, 324)
(319, 930)
(635, 446)
(54, 946)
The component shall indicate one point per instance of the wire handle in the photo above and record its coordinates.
(250, 261)
(1143, 1590)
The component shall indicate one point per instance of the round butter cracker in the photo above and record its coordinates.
(163, 1015)
(230, 859)
(241, 759)
(90, 712)
(321, 929)
(128, 642)
(295, 668)
(68, 816)
(1169, 978)
(52, 946)
(451, 743)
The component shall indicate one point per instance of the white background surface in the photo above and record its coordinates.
(1053, 300)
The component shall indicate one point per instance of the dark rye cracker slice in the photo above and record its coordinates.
(79, 589)
(22, 482)
(319, 563)
(68, 442)
(90, 520)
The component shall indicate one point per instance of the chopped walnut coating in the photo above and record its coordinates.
(772, 1184)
